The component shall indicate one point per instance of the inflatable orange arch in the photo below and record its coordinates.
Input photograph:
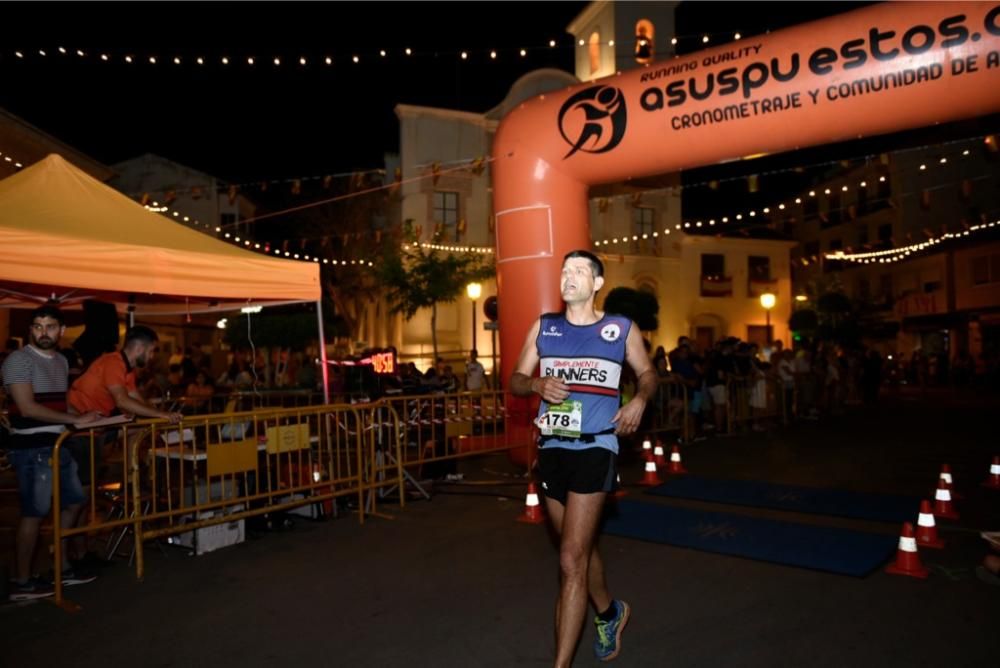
(875, 70)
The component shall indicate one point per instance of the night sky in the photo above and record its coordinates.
(245, 124)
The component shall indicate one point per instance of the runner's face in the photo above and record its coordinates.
(578, 283)
(45, 333)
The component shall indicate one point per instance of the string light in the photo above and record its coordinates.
(902, 252)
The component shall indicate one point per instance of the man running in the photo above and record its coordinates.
(581, 352)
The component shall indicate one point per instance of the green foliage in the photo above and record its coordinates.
(419, 278)
(285, 327)
(639, 306)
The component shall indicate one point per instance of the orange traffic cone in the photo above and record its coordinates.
(651, 479)
(620, 491)
(927, 534)
(658, 456)
(942, 502)
(907, 559)
(532, 507)
(676, 467)
(647, 446)
(946, 476)
(993, 482)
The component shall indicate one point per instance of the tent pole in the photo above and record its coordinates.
(322, 352)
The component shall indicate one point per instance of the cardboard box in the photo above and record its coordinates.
(211, 538)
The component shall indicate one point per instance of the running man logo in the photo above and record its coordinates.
(596, 116)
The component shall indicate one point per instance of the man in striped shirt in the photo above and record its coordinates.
(36, 379)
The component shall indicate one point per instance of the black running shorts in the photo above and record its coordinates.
(582, 471)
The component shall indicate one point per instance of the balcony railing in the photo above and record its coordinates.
(757, 287)
(716, 286)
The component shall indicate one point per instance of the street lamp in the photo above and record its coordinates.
(474, 290)
(767, 300)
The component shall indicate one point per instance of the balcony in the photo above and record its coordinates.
(757, 287)
(716, 286)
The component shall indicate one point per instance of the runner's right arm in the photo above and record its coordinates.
(523, 384)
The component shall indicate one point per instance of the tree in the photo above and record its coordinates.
(416, 277)
(638, 306)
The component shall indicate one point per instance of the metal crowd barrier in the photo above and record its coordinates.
(750, 398)
(155, 480)
(669, 410)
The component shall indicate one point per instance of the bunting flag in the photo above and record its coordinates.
(636, 199)
(418, 231)
(752, 184)
(435, 172)
(714, 185)
(478, 166)
(327, 181)
(991, 143)
(232, 195)
(284, 246)
(296, 187)
(927, 233)
(491, 223)
(378, 236)
(852, 211)
(195, 192)
(925, 199)
(602, 205)
(461, 226)
(397, 179)
(144, 200)
(263, 186)
(884, 158)
(169, 197)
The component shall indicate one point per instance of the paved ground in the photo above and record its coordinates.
(456, 582)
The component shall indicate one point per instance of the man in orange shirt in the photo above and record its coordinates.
(108, 386)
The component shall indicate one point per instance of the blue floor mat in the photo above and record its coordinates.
(829, 549)
(812, 500)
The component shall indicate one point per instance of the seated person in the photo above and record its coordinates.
(199, 393)
(108, 386)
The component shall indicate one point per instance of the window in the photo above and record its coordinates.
(644, 43)
(759, 268)
(885, 286)
(812, 248)
(862, 235)
(863, 200)
(885, 233)
(643, 217)
(595, 52)
(985, 269)
(446, 213)
(810, 208)
(864, 289)
(884, 191)
(713, 265)
(833, 214)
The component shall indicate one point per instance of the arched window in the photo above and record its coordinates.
(645, 46)
(595, 52)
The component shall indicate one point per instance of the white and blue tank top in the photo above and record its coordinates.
(589, 359)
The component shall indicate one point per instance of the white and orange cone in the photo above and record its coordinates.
(620, 491)
(947, 477)
(993, 482)
(651, 478)
(943, 507)
(647, 446)
(532, 507)
(927, 533)
(658, 455)
(907, 559)
(676, 466)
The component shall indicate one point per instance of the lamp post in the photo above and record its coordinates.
(474, 290)
(767, 300)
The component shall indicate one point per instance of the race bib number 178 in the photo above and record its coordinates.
(565, 419)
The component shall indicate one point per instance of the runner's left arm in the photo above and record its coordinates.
(628, 416)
